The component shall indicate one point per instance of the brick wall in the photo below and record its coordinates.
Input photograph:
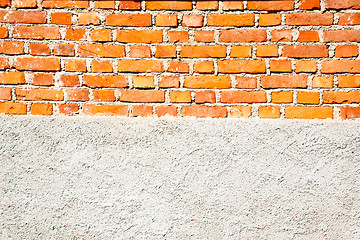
(267, 59)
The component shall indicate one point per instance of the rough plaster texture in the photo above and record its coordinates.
(106, 178)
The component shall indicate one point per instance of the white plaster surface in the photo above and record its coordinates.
(131, 178)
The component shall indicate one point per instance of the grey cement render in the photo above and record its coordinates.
(131, 178)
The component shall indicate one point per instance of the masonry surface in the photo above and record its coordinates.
(239, 59)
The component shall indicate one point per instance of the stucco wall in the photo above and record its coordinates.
(106, 178)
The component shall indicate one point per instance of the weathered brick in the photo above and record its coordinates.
(140, 51)
(142, 111)
(276, 5)
(68, 109)
(75, 34)
(178, 36)
(64, 49)
(349, 19)
(341, 97)
(41, 49)
(78, 94)
(43, 79)
(102, 50)
(323, 82)
(162, 111)
(65, 4)
(241, 112)
(250, 35)
(13, 108)
(12, 78)
(269, 112)
(349, 112)
(104, 95)
(101, 66)
(168, 5)
(36, 32)
(344, 4)
(246, 82)
(204, 36)
(205, 97)
(342, 36)
(305, 19)
(341, 66)
(129, 5)
(309, 4)
(23, 3)
(178, 67)
(165, 51)
(75, 65)
(233, 5)
(5, 94)
(62, 18)
(281, 36)
(193, 20)
(69, 80)
(88, 18)
(169, 82)
(166, 20)
(100, 35)
(22, 17)
(37, 64)
(308, 51)
(39, 94)
(11, 47)
(203, 111)
(284, 81)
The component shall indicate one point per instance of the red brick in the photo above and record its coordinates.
(349, 19)
(207, 5)
(165, 51)
(144, 36)
(346, 51)
(178, 36)
(166, 111)
(105, 110)
(65, 4)
(75, 34)
(323, 82)
(204, 36)
(284, 81)
(341, 66)
(39, 49)
(36, 32)
(104, 95)
(69, 80)
(246, 82)
(22, 17)
(250, 35)
(41, 109)
(100, 35)
(43, 79)
(4, 33)
(62, 18)
(75, 65)
(243, 97)
(229, 20)
(349, 112)
(341, 97)
(203, 111)
(309, 4)
(39, 94)
(37, 64)
(308, 51)
(209, 82)
(11, 47)
(129, 20)
(129, 5)
(205, 97)
(193, 20)
(344, 4)
(68, 109)
(166, 20)
(140, 51)
(271, 5)
(4, 63)
(88, 18)
(309, 112)
(280, 66)
(342, 36)
(266, 20)
(242, 66)
(169, 5)
(64, 49)
(308, 36)
(142, 111)
(78, 94)
(101, 66)
(5, 94)
(140, 66)
(24, 3)
(203, 51)
(169, 82)
(281, 36)
(178, 67)
(115, 81)
(142, 96)
(13, 108)
(102, 50)
(305, 19)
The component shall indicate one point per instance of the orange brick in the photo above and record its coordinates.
(143, 82)
(203, 51)
(241, 112)
(204, 67)
(88, 18)
(207, 5)
(308, 51)
(37, 64)
(100, 35)
(39, 94)
(178, 36)
(282, 97)
(169, 82)
(166, 20)
(346, 51)
(204, 36)
(309, 112)
(240, 51)
(280, 66)
(276, 5)
(349, 112)
(308, 97)
(348, 4)
(5, 94)
(228, 20)
(203, 111)
(249, 35)
(11, 47)
(75, 65)
(25, 3)
(41, 109)
(75, 34)
(266, 20)
(129, 20)
(281, 35)
(309, 4)
(308, 36)
(140, 66)
(109, 4)
(233, 5)
(140, 51)
(284, 81)
(115, 81)
(178, 67)
(43, 79)
(5, 3)
(69, 80)
(243, 97)
(4, 33)
(143, 36)
(205, 97)
(130, 5)
(323, 82)
(101, 66)
(349, 81)
(219, 82)
(142, 96)
(165, 51)
(242, 66)
(65, 4)
(102, 50)
(39, 49)
(246, 82)
(168, 5)
(342, 36)
(68, 109)
(341, 97)
(305, 19)
(105, 110)
(142, 111)
(341, 66)
(267, 51)
(180, 96)
(193, 20)
(269, 112)
(22, 17)
(4, 63)
(349, 19)
(166, 111)
(63, 18)
(64, 49)
(78, 94)
(305, 66)
(104, 95)
(13, 108)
